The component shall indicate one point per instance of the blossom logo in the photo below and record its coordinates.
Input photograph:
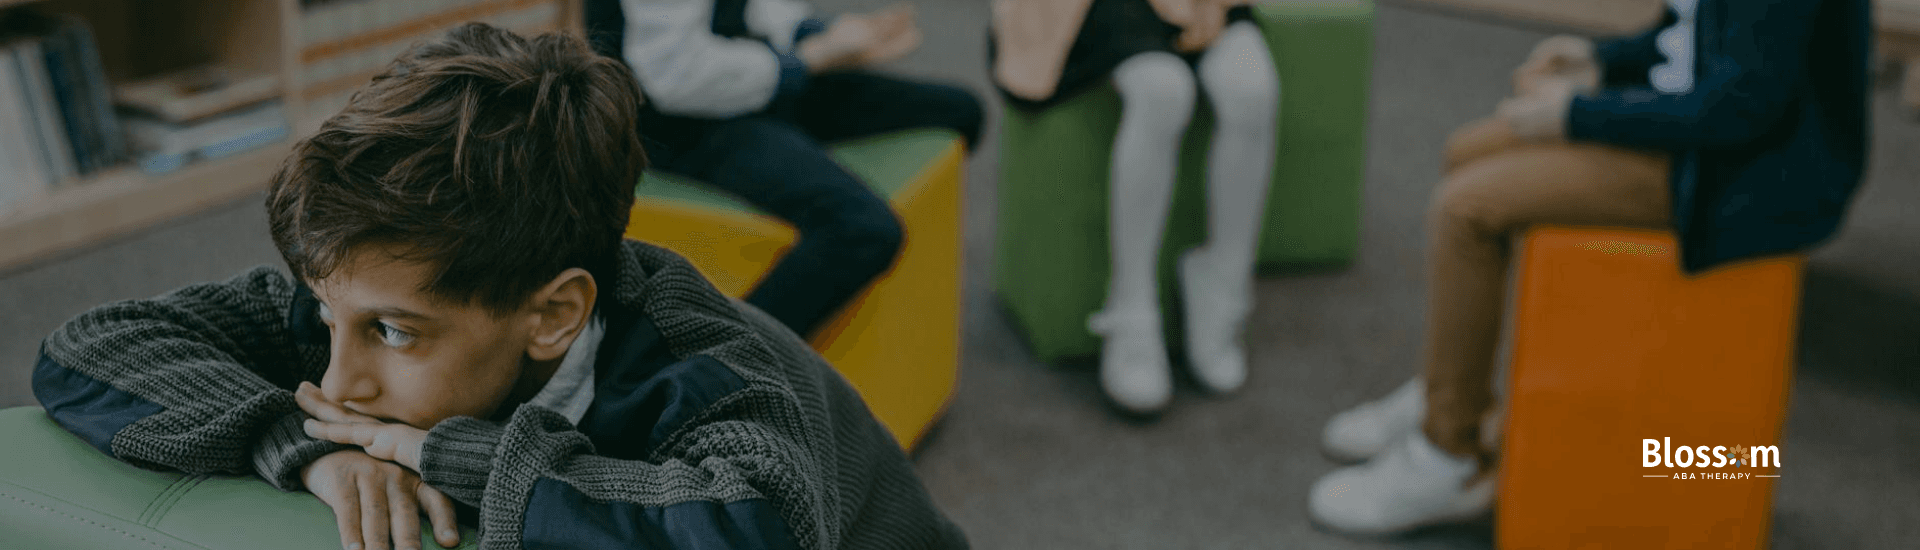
(1656, 453)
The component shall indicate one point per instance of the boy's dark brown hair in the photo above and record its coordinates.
(498, 160)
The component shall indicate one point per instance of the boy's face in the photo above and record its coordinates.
(401, 355)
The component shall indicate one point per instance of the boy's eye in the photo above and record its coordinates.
(393, 337)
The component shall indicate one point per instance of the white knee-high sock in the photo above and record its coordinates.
(1238, 75)
(1157, 91)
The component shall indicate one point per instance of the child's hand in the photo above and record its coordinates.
(857, 40)
(396, 442)
(1203, 26)
(1564, 57)
(898, 35)
(375, 501)
(1540, 115)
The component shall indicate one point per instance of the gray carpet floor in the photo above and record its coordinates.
(1030, 457)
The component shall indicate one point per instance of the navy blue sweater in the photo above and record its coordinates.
(1770, 143)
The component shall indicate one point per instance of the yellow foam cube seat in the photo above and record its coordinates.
(1618, 358)
(898, 342)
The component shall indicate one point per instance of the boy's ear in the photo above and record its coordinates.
(558, 312)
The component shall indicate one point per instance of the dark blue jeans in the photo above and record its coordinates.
(777, 160)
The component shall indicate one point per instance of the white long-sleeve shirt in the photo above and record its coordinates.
(687, 70)
(1675, 76)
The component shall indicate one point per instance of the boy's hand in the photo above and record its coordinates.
(396, 442)
(858, 40)
(1563, 57)
(375, 501)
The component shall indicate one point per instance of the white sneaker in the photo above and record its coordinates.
(1362, 432)
(1133, 361)
(1216, 310)
(1413, 484)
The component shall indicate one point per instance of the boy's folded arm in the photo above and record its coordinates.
(538, 483)
(190, 380)
(1745, 87)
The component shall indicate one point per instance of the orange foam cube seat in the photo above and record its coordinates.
(898, 342)
(1613, 345)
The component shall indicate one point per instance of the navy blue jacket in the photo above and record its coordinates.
(1771, 142)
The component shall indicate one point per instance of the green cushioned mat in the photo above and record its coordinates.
(886, 162)
(57, 491)
(1051, 258)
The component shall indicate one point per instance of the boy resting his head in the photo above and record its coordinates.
(466, 334)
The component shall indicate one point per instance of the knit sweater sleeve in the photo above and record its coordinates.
(194, 380)
(539, 484)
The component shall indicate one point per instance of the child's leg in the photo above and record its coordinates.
(1156, 90)
(849, 105)
(1475, 212)
(847, 234)
(1478, 140)
(1430, 476)
(1361, 432)
(1239, 77)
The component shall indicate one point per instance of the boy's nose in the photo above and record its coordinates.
(346, 380)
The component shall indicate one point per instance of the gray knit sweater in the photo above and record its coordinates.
(712, 426)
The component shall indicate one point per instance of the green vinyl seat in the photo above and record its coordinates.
(1051, 262)
(57, 491)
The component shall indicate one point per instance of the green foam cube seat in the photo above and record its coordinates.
(1051, 263)
(56, 491)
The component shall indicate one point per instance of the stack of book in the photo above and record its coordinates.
(57, 123)
(200, 113)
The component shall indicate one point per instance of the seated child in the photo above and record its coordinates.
(485, 343)
(744, 94)
(1740, 126)
(1160, 55)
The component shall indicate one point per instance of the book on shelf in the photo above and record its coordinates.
(198, 92)
(29, 65)
(23, 174)
(56, 122)
(164, 146)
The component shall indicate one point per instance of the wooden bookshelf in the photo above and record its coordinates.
(140, 38)
(416, 27)
(124, 200)
(315, 88)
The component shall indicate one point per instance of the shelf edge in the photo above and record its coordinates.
(120, 204)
